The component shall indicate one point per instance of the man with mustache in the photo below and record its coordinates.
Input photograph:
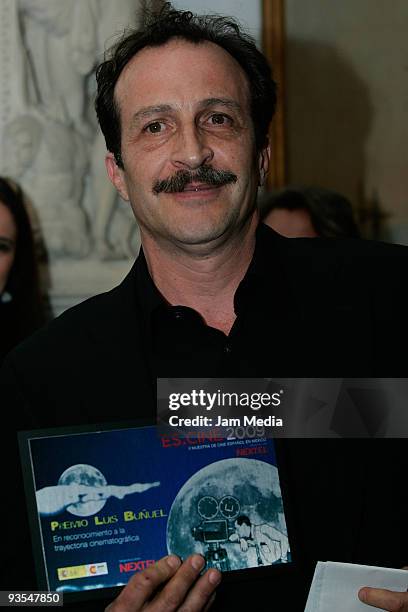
(185, 105)
(204, 174)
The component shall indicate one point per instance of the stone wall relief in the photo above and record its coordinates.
(49, 139)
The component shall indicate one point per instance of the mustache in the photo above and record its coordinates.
(204, 174)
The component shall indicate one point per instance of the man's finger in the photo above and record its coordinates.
(143, 585)
(210, 603)
(174, 593)
(202, 594)
(393, 601)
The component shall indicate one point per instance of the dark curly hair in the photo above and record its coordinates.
(243, 520)
(27, 311)
(158, 29)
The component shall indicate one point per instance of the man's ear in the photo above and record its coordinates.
(116, 175)
(264, 158)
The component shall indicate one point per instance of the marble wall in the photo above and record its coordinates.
(50, 142)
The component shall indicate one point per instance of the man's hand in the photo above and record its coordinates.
(393, 601)
(168, 586)
(244, 544)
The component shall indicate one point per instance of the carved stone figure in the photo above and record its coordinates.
(50, 141)
(50, 160)
(64, 41)
(61, 40)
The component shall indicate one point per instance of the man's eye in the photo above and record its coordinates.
(220, 119)
(154, 128)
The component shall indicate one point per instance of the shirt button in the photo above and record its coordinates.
(227, 348)
(178, 314)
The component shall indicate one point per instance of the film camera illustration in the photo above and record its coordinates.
(216, 528)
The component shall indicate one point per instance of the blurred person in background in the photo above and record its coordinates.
(22, 308)
(309, 212)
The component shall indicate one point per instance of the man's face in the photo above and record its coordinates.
(185, 107)
(243, 530)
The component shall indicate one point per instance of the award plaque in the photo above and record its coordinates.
(105, 502)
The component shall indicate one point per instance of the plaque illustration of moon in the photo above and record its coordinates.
(90, 476)
(202, 516)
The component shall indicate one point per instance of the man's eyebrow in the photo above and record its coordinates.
(149, 111)
(227, 102)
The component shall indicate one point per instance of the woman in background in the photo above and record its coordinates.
(22, 308)
(309, 212)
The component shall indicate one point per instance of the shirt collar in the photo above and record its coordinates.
(149, 297)
(265, 261)
(265, 267)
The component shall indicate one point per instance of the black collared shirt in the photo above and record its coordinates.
(305, 307)
(296, 315)
(180, 344)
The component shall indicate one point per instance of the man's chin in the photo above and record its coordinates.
(190, 238)
(200, 236)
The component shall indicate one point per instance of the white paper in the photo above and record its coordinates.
(335, 586)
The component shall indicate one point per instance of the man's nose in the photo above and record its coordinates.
(192, 149)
